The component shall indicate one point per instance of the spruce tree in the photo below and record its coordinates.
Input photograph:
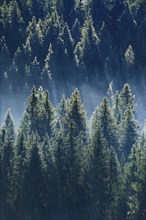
(39, 115)
(107, 125)
(87, 49)
(77, 114)
(32, 187)
(97, 183)
(127, 99)
(49, 66)
(35, 37)
(117, 105)
(129, 132)
(15, 26)
(71, 141)
(7, 165)
(132, 184)
(115, 185)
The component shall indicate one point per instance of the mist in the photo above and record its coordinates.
(91, 96)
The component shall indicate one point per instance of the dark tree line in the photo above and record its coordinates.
(58, 165)
(73, 42)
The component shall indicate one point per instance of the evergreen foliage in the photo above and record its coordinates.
(56, 166)
(77, 41)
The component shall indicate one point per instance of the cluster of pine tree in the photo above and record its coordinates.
(59, 165)
(72, 41)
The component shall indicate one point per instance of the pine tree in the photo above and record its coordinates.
(7, 160)
(107, 125)
(50, 116)
(87, 49)
(68, 40)
(61, 159)
(132, 181)
(129, 132)
(70, 142)
(33, 181)
(97, 183)
(29, 121)
(5, 13)
(136, 176)
(142, 177)
(8, 126)
(27, 52)
(94, 119)
(39, 115)
(52, 26)
(15, 26)
(49, 65)
(117, 105)
(63, 112)
(127, 99)
(129, 55)
(114, 185)
(50, 197)
(20, 171)
(35, 37)
(77, 115)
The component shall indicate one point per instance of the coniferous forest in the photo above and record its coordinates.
(62, 162)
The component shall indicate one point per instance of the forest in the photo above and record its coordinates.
(60, 165)
(73, 140)
(60, 44)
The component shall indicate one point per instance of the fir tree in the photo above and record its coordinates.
(129, 133)
(7, 161)
(33, 181)
(107, 124)
(98, 183)
(89, 45)
(127, 99)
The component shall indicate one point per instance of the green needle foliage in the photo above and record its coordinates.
(56, 166)
(92, 41)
